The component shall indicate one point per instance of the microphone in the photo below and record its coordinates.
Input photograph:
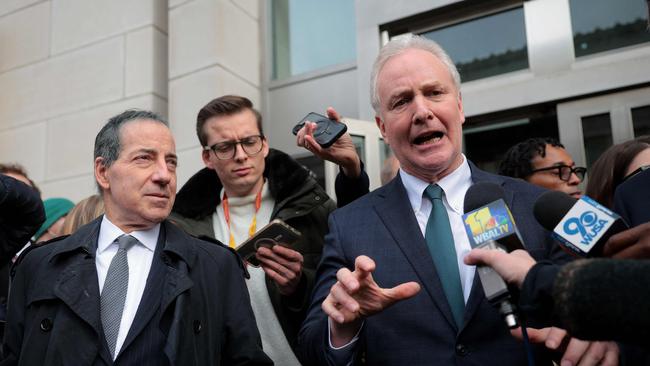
(489, 225)
(604, 299)
(581, 226)
(490, 217)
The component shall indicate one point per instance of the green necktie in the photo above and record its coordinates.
(443, 251)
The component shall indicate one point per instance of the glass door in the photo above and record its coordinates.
(370, 147)
(589, 126)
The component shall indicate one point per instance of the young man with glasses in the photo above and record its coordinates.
(244, 186)
(543, 162)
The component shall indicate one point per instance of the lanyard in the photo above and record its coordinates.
(226, 212)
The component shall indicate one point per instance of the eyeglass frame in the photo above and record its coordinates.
(233, 144)
(573, 170)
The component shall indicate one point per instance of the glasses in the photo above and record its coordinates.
(565, 171)
(225, 150)
(637, 171)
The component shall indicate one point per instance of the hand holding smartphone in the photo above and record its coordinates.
(276, 232)
(327, 130)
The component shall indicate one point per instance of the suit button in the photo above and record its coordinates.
(197, 326)
(461, 350)
(46, 325)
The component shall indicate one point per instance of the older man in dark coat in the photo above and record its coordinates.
(130, 288)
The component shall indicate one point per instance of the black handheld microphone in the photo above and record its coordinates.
(581, 226)
(489, 225)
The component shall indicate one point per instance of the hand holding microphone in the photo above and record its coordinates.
(493, 221)
(490, 227)
(513, 266)
(629, 244)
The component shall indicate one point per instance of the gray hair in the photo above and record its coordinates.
(400, 44)
(107, 142)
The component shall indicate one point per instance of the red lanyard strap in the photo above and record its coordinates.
(226, 212)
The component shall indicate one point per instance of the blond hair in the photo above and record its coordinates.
(82, 213)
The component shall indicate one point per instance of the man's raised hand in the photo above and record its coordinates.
(356, 295)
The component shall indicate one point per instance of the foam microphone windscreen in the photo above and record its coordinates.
(582, 226)
(488, 217)
(480, 194)
(551, 207)
(604, 299)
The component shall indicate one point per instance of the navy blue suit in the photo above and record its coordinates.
(419, 330)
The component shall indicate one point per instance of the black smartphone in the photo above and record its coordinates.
(327, 130)
(276, 232)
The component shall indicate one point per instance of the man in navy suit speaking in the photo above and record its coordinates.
(392, 288)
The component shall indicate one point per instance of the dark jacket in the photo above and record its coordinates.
(631, 199)
(419, 330)
(299, 201)
(204, 308)
(21, 214)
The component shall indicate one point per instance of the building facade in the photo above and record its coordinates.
(574, 69)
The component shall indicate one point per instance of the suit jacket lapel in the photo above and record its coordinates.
(477, 295)
(176, 280)
(77, 285)
(179, 256)
(395, 211)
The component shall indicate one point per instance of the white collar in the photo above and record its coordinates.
(108, 232)
(455, 185)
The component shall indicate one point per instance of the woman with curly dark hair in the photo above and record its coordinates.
(544, 162)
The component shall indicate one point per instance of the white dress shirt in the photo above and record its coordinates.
(454, 186)
(139, 258)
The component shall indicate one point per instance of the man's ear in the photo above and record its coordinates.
(265, 147)
(460, 108)
(101, 173)
(382, 128)
(205, 155)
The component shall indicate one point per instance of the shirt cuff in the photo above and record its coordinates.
(343, 355)
(329, 336)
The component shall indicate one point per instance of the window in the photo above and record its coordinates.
(641, 120)
(486, 46)
(359, 142)
(384, 151)
(597, 135)
(488, 137)
(311, 34)
(601, 25)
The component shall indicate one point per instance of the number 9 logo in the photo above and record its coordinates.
(576, 225)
